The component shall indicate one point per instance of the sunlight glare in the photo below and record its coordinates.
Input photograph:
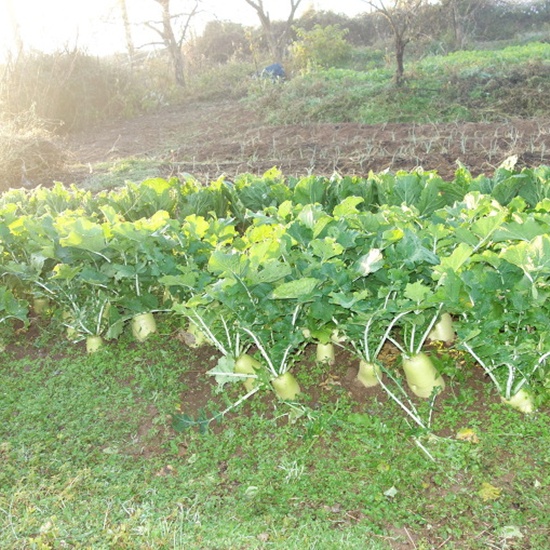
(95, 26)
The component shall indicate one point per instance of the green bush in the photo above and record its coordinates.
(320, 47)
(220, 42)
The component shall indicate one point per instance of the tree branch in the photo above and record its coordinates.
(275, 42)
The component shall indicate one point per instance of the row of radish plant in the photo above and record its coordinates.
(425, 190)
(262, 267)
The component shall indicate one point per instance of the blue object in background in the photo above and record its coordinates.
(274, 71)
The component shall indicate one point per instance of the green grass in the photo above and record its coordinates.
(462, 86)
(109, 175)
(90, 460)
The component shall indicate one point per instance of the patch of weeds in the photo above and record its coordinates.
(108, 175)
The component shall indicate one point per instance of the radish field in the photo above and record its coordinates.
(244, 340)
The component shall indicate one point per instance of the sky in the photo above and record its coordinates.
(95, 25)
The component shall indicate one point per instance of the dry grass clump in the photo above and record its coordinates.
(72, 89)
(28, 153)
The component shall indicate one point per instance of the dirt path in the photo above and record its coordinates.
(211, 139)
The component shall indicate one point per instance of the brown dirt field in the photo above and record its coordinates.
(208, 140)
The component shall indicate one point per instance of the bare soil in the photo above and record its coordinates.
(208, 140)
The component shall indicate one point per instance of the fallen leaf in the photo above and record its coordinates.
(510, 532)
(46, 527)
(489, 492)
(166, 471)
(467, 434)
(186, 338)
(110, 450)
(330, 381)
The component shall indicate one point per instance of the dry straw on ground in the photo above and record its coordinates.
(28, 153)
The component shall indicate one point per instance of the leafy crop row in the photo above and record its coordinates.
(266, 266)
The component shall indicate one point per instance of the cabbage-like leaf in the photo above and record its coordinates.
(82, 233)
(11, 307)
(222, 262)
(310, 190)
(527, 230)
(271, 271)
(532, 257)
(326, 248)
(347, 207)
(224, 371)
(293, 290)
(417, 292)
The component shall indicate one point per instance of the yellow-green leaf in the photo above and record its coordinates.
(467, 434)
(489, 492)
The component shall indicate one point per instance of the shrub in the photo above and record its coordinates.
(320, 47)
(72, 89)
(220, 42)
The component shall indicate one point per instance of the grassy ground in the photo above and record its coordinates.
(463, 86)
(90, 460)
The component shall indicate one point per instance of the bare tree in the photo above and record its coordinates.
(462, 18)
(127, 30)
(402, 17)
(276, 38)
(165, 30)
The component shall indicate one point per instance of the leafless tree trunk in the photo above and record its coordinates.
(173, 45)
(462, 14)
(276, 41)
(402, 17)
(127, 30)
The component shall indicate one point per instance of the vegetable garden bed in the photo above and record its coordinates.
(267, 266)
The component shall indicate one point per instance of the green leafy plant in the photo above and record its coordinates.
(12, 307)
(320, 47)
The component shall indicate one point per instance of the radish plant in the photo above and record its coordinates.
(443, 330)
(377, 327)
(143, 325)
(512, 359)
(12, 307)
(279, 352)
(511, 377)
(392, 258)
(416, 325)
(216, 326)
(140, 253)
(505, 328)
(89, 316)
(377, 332)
